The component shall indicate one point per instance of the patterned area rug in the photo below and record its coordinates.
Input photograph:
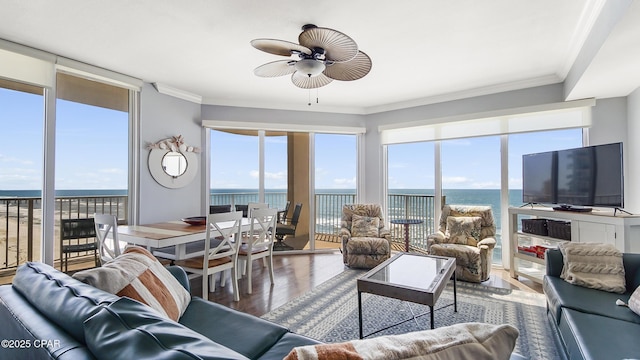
(329, 313)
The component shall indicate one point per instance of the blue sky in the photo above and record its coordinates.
(91, 153)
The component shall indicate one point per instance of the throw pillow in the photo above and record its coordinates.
(364, 226)
(593, 265)
(138, 275)
(634, 301)
(461, 341)
(464, 230)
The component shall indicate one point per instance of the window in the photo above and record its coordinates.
(21, 120)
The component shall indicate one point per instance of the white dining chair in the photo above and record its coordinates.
(108, 245)
(220, 252)
(257, 243)
(255, 205)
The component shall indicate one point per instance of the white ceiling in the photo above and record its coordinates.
(423, 51)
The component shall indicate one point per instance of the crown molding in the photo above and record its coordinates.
(180, 94)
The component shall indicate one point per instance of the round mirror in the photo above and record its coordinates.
(174, 163)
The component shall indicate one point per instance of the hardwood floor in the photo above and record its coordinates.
(298, 274)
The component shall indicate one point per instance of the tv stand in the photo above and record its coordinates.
(572, 208)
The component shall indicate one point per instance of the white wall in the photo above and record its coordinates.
(632, 154)
(163, 116)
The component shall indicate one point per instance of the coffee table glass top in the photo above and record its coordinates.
(404, 271)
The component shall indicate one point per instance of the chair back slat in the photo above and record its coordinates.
(262, 229)
(106, 224)
(227, 226)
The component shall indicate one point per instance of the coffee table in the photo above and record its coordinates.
(409, 277)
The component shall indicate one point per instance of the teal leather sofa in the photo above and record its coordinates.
(45, 314)
(588, 323)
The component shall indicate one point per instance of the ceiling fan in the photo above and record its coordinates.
(322, 55)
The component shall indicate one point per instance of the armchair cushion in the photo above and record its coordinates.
(463, 230)
(365, 226)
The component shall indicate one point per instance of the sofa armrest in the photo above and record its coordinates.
(631, 264)
(181, 276)
(554, 262)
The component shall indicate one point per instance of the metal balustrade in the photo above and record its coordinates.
(21, 224)
(20, 218)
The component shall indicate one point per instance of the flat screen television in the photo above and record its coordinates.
(586, 176)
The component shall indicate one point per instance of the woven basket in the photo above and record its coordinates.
(559, 229)
(535, 226)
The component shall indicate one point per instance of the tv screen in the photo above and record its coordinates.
(587, 176)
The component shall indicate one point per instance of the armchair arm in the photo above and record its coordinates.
(385, 233)
(487, 243)
(435, 238)
(344, 234)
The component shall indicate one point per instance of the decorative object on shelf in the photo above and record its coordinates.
(172, 163)
(535, 226)
(559, 229)
(323, 55)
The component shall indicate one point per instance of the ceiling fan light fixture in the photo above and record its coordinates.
(310, 67)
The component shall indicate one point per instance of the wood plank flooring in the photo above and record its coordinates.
(298, 274)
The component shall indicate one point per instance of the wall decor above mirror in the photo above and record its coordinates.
(172, 163)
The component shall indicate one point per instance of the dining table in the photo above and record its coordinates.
(171, 233)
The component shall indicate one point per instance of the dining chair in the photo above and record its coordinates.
(258, 243)
(77, 236)
(109, 246)
(220, 252)
(255, 205)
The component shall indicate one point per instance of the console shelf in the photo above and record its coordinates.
(601, 226)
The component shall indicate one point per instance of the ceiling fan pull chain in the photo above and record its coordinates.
(317, 96)
(309, 93)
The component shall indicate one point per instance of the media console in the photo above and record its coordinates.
(623, 231)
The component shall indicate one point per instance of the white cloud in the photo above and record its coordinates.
(342, 183)
(111, 171)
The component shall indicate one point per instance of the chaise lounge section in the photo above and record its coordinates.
(588, 323)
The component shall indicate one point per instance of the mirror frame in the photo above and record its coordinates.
(160, 149)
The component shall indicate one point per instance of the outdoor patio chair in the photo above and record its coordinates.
(77, 236)
(365, 241)
(287, 228)
(467, 233)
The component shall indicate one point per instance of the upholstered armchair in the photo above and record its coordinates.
(365, 241)
(466, 233)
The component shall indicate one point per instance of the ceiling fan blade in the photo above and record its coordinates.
(279, 47)
(275, 68)
(338, 46)
(350, 70)
(302, 80)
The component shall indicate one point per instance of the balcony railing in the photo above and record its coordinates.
(328, 213)
(20, 218)
(21, 224)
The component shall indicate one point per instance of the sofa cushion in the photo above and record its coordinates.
(364, 226)
(560, 294)
(64, 300)
(128, 329)
(244, 333)
(139, 275)
(593, 265)
(460, 341)
(464, 230)
(590, 336)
